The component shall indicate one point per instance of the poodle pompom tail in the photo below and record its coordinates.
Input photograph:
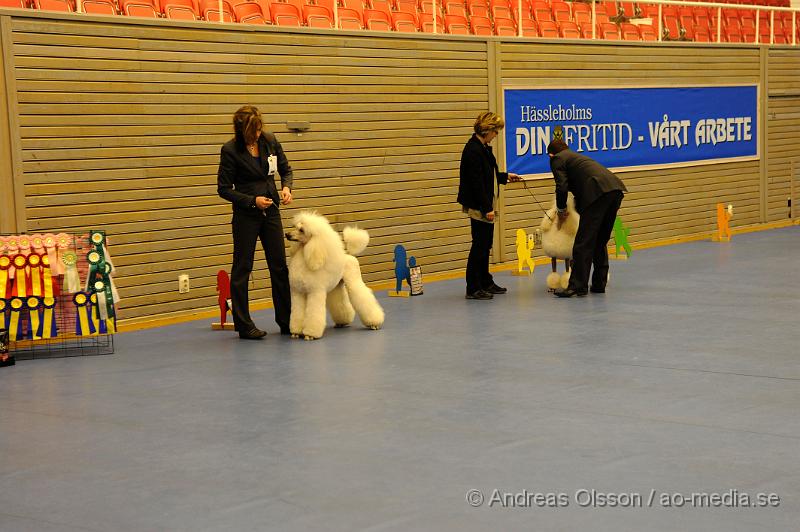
(355, 240)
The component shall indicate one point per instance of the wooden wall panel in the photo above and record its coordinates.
(121, 125)
(783, 142)
(118, 124)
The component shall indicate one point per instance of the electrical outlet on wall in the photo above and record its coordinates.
(183, 283)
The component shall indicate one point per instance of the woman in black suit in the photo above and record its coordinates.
(476, 194)
(246, 177)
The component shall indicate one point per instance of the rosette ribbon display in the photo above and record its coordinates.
(49, 329)
(14, 318)
(35, 312)
(83, 323)
(72, 281)
(5, 267)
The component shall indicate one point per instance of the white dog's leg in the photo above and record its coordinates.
(339, 306)
(298, 316)
(361, 296)
(314, 325)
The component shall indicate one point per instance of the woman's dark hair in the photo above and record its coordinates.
(246, 124)
(557, 146)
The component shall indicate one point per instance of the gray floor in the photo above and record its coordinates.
(683, 378)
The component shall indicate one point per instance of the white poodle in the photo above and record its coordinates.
(323, 269)
(557, 242)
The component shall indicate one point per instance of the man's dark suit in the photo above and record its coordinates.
(598, 195)
(242, 177)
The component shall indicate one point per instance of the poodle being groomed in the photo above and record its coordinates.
(323, 271)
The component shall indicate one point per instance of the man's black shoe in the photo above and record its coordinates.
(494, 289)
(597, 290)
(480, 294)
(253, 334)
(569, 292)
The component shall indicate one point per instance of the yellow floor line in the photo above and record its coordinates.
(135, 324)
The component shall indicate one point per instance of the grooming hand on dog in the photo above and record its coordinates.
(324, 272)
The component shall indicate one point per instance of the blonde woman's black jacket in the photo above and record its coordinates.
(478, 170)
(241, 177)
(584, 177)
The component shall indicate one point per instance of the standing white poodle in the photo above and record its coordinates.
(323, 269)
(557, 242)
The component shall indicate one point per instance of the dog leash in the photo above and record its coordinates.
(525, 185)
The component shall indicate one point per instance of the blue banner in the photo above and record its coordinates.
(631, 127)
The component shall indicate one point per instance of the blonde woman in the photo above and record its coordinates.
(477, 194)
(247, 168)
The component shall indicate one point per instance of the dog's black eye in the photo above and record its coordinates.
(301, 230)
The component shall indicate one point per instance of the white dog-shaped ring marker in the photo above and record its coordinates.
(557, 242)
(323, 270)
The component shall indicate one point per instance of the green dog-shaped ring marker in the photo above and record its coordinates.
(621, 238)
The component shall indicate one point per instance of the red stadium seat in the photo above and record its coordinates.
(478, 8)
(732, 22)
(139, 8)
(560, 14)
(581, 13)
(629, 32)
(426, 6)
(541, 14)
(628, 9)
(732, 35)
(529, 28)
(381, 5)
(648, 32)
(210, 10)
(296, 3)
(748, 19)
(609, 31)
(569, 30)
(505, 27)
(701, 34)
(673, 26)
(317, 17)
(377, 20)
(190, 4)
(406, 6)
(98, 7)
(285, 14)
(426, 23)
(53, 5)
(455, 7)
(500, 9)
(526, 10)
(649, 11)
(608, 8)
(13, 3)
(456, 24)
(178, 12)
(213, 15)
(357, 6)
(350, 19)
(263, 4)
(404, 22)
(557, 6)
(480, 25)
(548, 29)
(248, 13)
(327, 4)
